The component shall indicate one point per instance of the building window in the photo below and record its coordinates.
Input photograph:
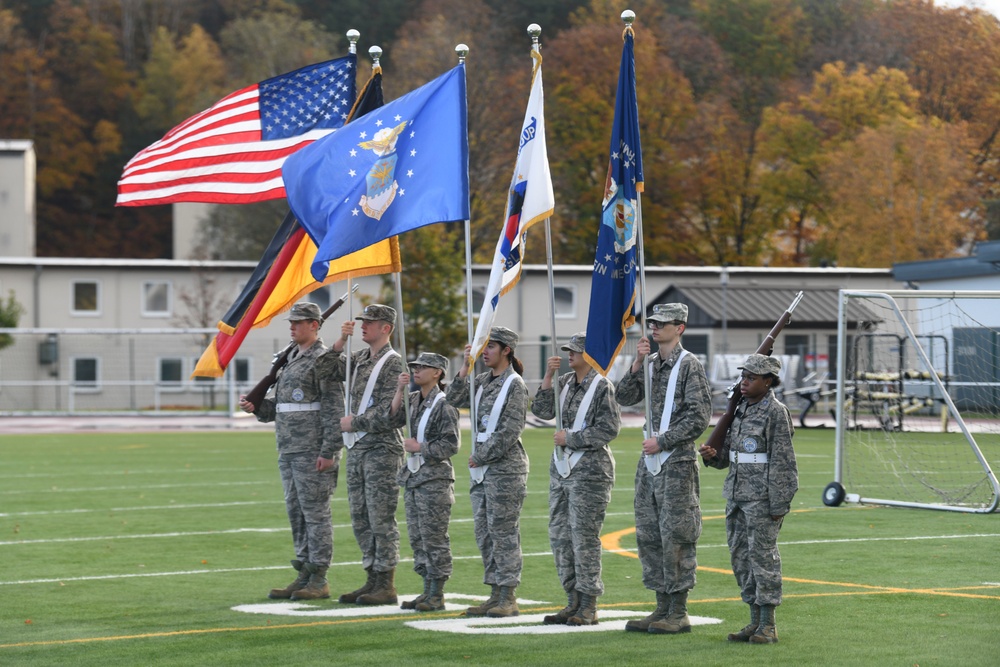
(321, 297)
(242, 369)
(156, 299)
(565, 299)
(478, 297)
(86, 298)
(171, 372)
(86, 373)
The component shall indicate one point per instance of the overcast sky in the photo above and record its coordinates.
(992, 6)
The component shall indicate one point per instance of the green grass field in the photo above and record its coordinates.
(138, 548)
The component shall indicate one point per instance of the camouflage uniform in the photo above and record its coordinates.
(667, 511)
(497, 501)
(755, 492)
(577, 503)
(373, 463)
(429, 493)
(302, 438)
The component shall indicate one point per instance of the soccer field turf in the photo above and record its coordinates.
(159, 548)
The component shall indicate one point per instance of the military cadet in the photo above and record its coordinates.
(376, 450)
(581, 476)
(759, 487)
(306, 408)
(667, 510)
(498, 467)
(427, 479)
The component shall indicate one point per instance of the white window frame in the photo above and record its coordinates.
(169, 385)
(573, 310)
(87, 388)
(170, 298)
(72, 299)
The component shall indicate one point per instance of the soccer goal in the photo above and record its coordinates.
(918, 400)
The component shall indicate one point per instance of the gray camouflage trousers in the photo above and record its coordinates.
(307, 501)
(753, 547)
(668, 525)
(373, 495)
(496, 515)
(428, 511)
(577, 506)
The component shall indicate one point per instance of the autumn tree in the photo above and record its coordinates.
(424, 49)
(797, 137)
(898, 193)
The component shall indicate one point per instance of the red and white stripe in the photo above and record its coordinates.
(215, 156)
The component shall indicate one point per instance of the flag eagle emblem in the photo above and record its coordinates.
(381, 178)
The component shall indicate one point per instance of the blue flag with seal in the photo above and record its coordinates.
(613, 285)
(400, 167)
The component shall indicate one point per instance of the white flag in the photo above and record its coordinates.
(530, 200)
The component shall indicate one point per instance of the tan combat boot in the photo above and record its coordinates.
(587, 613)
(660, 613)
(480, 610)
(318, 588)
(506, 605)
(564, 614)
(412, 604)
(383, 590)
(748, 630)
(300, 582)
(677, 620)
(352, 597)
(435, 598)
(766, 632)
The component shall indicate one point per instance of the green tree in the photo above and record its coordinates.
(274, 41)
(432, 290)
(10, 315)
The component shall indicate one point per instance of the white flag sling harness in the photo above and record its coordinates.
(565, 466)
(654, 462)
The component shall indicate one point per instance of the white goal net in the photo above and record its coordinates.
(918, 400)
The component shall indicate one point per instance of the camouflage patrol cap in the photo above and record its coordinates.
(504, 336)
(577, 342)
(760, 364)
(378, 311)
(432, 360)
(669, 312)
(304, 310)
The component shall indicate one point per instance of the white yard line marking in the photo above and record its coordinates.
(182, 573)
(137, 487)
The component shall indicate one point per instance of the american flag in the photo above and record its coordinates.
(232, 152)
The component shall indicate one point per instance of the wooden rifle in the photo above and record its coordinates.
(256, 395)
(717, 439)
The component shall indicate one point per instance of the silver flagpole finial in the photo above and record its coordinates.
(352, 37)
(535, 30)
(462, 50)
(628, 16)
(375, 52)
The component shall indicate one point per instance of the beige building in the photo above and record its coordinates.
(126, 334)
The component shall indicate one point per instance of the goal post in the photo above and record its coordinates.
(918, 400)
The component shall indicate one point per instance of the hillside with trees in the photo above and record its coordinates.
(775, 132)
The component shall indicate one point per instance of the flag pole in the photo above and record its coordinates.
(402, 352)
(535, 31)
(462, 50)
(352, 37)
(628, 17)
